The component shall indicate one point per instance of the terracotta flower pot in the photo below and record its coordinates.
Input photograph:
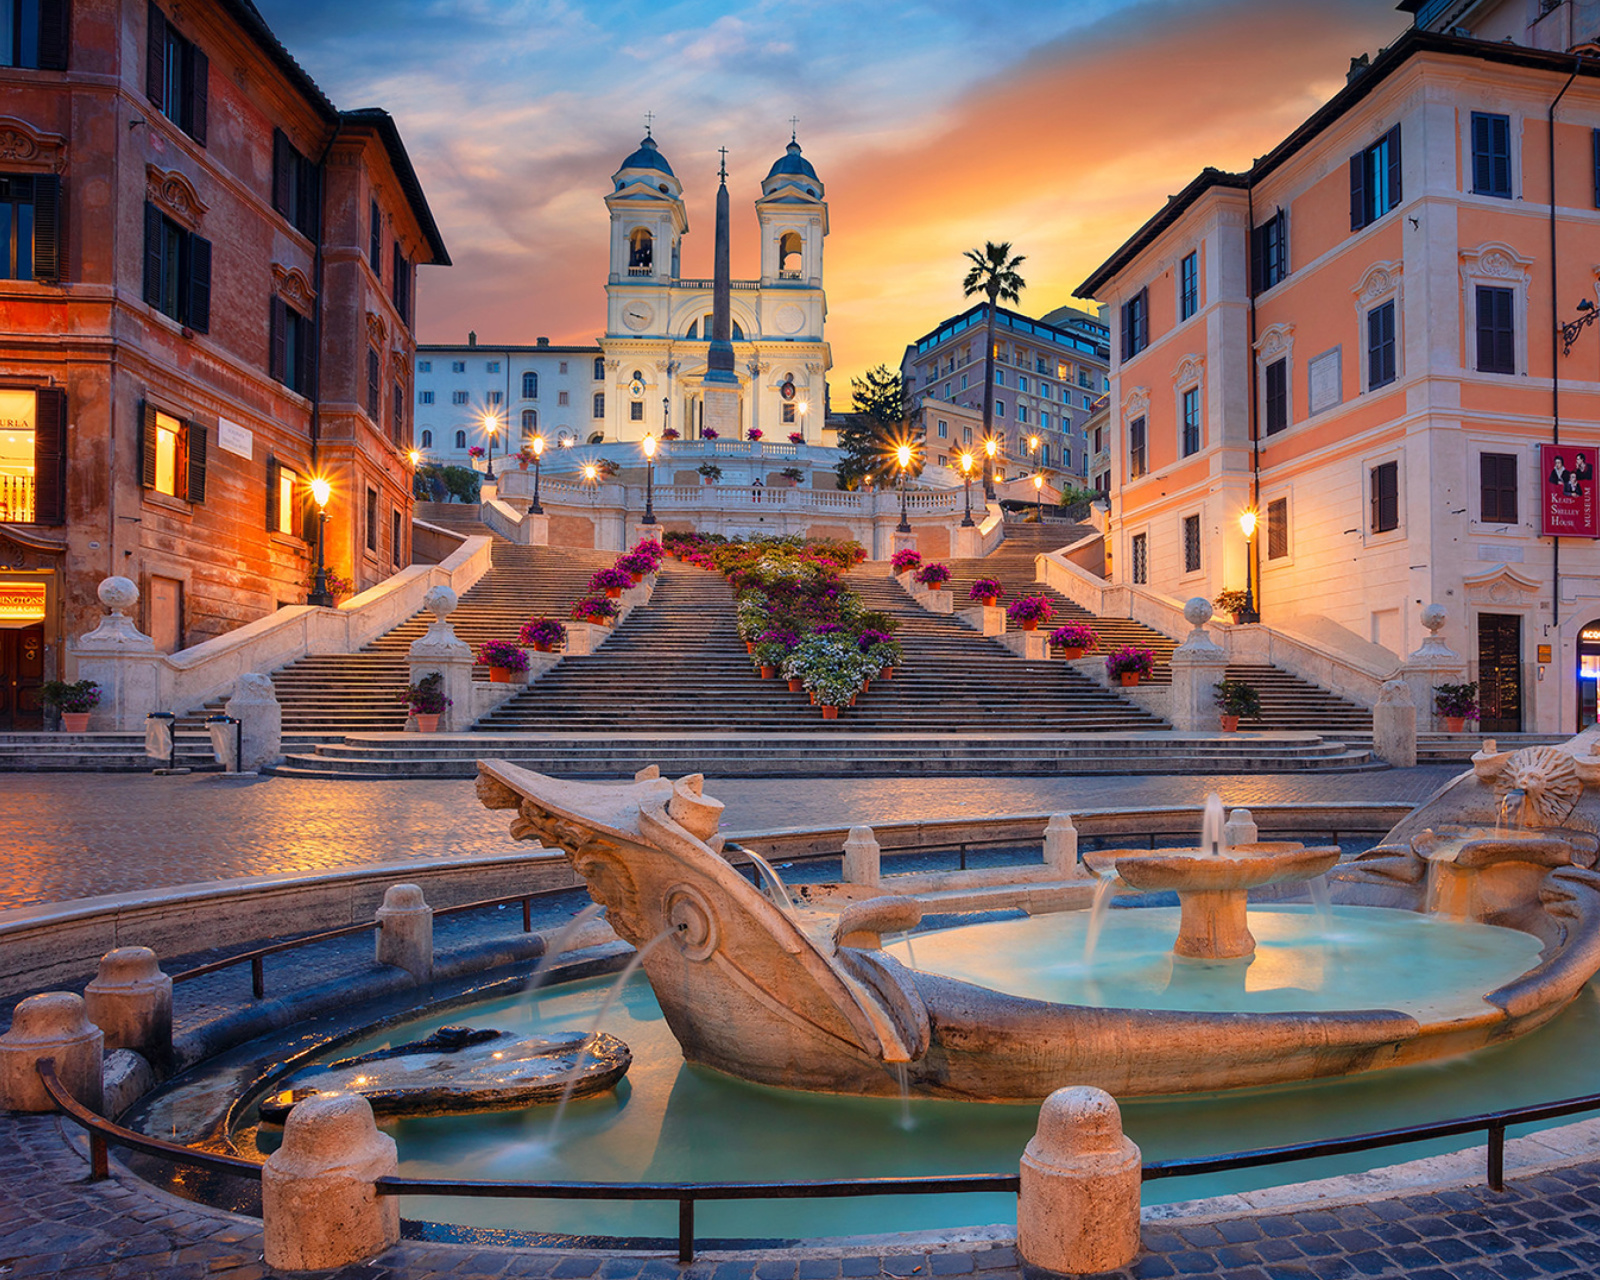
(768, 672)
(540, 647)
(613, 593)
(426, 723)
(596, 620)
(637, 578)
(500, 675)
(749, 646)
(74, 722)
(1129, 679)
(795, 686)
(1452, 724)
(1031, 625)
(830, 713)
(813, 695)
(1230, 724)
(989, 602)
(886, 674)
(1069, 653)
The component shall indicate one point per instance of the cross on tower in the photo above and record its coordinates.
(794, 127)
(649, 119)
(723, 171)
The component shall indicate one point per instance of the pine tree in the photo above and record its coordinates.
(868, 436)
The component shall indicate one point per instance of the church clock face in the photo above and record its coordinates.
(790, 319)
(638, 315)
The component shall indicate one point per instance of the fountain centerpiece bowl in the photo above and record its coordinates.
(1213, 888)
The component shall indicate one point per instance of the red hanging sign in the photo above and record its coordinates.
(1567, 502)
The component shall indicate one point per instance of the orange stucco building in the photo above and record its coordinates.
(206, 296)
(1359, 339)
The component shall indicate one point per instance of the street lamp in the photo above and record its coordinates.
(321, 491)
(416, 458)
(538, 455)
(803, 406)
(1038, 496)
(1247, 522)
(903, 457)
(648, 444)
(966, 476)
(491, 425)
(991, 447)
(1033, 446)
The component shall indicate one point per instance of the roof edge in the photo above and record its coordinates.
(388, 133)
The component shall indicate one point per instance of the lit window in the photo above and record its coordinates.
(287, 480)
(168, 429)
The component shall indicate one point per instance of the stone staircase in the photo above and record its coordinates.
(458, 517)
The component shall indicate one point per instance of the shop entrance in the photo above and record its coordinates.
(1500, 673)
(21, 674)
(1588, 675)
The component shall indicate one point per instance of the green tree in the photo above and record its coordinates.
(994, 274)
(869, 434)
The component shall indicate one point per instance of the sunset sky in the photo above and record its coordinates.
(1060, 125)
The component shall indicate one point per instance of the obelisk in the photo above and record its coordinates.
(721, 384)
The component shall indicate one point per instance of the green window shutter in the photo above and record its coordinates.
(195, 436)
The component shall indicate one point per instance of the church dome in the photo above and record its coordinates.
(792, 163)
(649, 157)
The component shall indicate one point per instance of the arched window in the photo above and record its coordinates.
(736, 336)
(530, 420)
(789, 256)
(530, 386)
(599, 368)
(427, 439)
(641, 252)
(597, 437)
(461, 439)
(694, 330)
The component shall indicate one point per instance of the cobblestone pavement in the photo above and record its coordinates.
(81, 835)
(53, 1222)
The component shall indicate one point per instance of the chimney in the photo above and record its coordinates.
(544, 342)
(1358, 68)
(472, 338)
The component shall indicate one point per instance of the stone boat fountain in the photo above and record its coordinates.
(807, 998)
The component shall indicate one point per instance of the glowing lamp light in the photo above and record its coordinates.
(1033, 444)
(803, 406)
(590, 471)
(648, 444)
(966, 463)
(903, 454)
(321, 491)
(1038, 482)
(538, 446)
(1247, 522)
(415, 457)
(991, 446)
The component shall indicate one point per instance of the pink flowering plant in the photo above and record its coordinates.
(637, 562)
(754, 433)
(542, 631)
(708, 433)
(503, 654)
(1030, 609)
(906, 559)
(796, 437)
(670, 433)
(1128, 660)
(1073, 636)
(933, 576)
(594, 607)
(609, 579)
(985, 587)
(426, 696)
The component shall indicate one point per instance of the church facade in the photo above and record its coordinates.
(658, 324)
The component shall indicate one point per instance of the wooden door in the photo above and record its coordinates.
(166, 614)
(21, 674)
(1500, 673)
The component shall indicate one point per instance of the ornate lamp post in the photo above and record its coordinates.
(321, 491)
(966, 476)
(538, 455)
(491, 425)
(903, 456)
(1247, 522)
(1038, 496)
(648, 444)
(991, 447)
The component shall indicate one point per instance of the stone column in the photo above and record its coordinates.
(405, 931)
(122, 660)
(319, 1208)
(439, 650)
(1061, 848)
(1394, 725)
(131, 1002)
(535, 529)
(861, 857)
(255, 705)
(1433, 664)
(51, 1025)
(1078, 1210)
(1197, 664)
(1240, 828)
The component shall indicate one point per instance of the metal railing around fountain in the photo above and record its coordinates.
(103, 1133)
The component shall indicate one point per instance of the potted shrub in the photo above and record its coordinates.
(1029, 611)
(708, 433)
(1129, 663)
(74, 700)
(613, 582)
(988, 591)
(710, 471)
(1234, 602)
(1456, 704)
(793, 475)
(596, 609)
(754, 433)
(1234, 699)
(770, 651)
(670, 433)
(1074, 640)
(503, 659)
(427, 701)
(796, 437)
(636, 564)
(906, 560)
(542, 634)
(881, 651)
(933, 576)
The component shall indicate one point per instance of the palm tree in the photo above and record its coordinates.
(994, 274)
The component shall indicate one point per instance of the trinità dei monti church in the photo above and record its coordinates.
(658, 325)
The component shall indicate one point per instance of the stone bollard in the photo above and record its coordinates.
(131, 1002)
(319, 1209)
(1240, 828)
(861, 857)
(255, 706)
(1061, 848)
(405, 931)
(51, 1025)
(1078, 1210)
(1394, 725)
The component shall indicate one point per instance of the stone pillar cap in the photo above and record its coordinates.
(50, 1018)
(1075, 1122)
(128, 967)
(332, 1133)
(403, 897)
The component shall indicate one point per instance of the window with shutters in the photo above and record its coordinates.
(372, 519)
(396, 537)
(461, 439)
(33, 33)
(1375, 180)
(600, 366)
(374, 384)
(284, 498)
(1191, 544)
(1136, 449)
(1277, 396)
(1384, 483)
(1496, 330)
(1277, 528)
(530, 386)
(33, 456)
(424, 366)
(290, 348)
(424, 397)
(458, 366)
(491, 366)
(177, 271)
(494, 397)
(1140, 557)
(295, 189)
(561, 398)
(1269, 252)
(30, 226)
(172, 455)
(1188, 287)
(1190, 408)
(1136, 324)
(458, 397)
(1497, 478)
(1491, 155)
(375, 239)
(427, 439)
(177, 76)
(400, 286)
(1380, 346)
(397, 414)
